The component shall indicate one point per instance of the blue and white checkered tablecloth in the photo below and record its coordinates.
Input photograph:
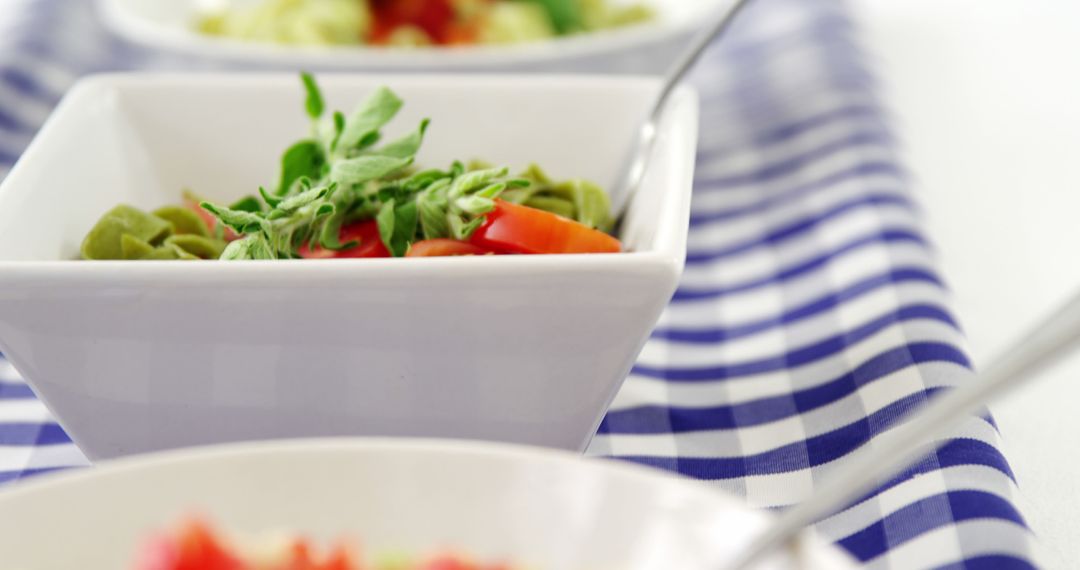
(810, 317)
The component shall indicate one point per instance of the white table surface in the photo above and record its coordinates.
(987, 99)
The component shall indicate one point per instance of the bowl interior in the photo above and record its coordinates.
(540, 509)
(143, 139)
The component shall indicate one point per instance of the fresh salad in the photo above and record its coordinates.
(416, 22)
(196, 546)
(344, 193)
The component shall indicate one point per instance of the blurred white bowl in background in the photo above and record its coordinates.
(648, 48)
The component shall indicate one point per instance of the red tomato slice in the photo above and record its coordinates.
(445, 248)
(367, 233)
(521, 229)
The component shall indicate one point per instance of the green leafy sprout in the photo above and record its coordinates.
(341, 174)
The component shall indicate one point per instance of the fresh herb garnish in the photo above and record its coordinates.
(339, 175)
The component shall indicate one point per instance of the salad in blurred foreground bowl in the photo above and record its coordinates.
(196, 546)
(415, 22)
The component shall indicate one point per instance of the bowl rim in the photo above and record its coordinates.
(603, 42)
(359, 444)
(672, 257)
(809, 544)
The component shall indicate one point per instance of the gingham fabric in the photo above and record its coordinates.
(810, 316)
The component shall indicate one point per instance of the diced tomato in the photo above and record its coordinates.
(454, 563)
(341, 558)
(158, 553)
(445, 248)
(447, 563)
(434, 17)
(464, 33)
(366, 233)
(382, 28)
(195, 548)
(300, 557)
(520, 229)
(201, 550)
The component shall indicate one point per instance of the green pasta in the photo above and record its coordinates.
(104, 240)
(128, 233)
(183, 220)
(200, 246)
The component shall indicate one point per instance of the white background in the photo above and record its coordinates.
(987, 99)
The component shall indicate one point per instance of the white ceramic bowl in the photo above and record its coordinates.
(545, 510)
(140, 356)
(648, 48)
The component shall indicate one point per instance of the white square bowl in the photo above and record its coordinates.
(140, 356)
